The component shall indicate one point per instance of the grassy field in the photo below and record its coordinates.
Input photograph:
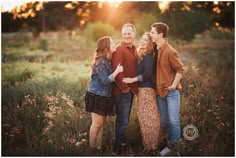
(44, 81)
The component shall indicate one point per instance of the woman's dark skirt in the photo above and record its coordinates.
(99, 104)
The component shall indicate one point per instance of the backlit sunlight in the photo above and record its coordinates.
(164, 5)
(7, 5)
(113, 3)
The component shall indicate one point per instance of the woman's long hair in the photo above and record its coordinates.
(141, 52)
(102, 50)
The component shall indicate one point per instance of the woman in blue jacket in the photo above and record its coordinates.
(98, 99)
(147, 110)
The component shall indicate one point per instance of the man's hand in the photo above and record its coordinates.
(171, 88)
(127, 80)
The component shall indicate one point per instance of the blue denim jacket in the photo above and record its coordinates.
(145, 72)
(101, 78)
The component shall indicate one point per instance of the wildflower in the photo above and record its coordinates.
(81, 116)
(53, 110)
(70, 103)
(45, 98)
(59, 110)
(78, 143)
(58, 93)
(46, 130)
(83, 140)
(71, 140)
(85, 133)
(64, 96)
(67, 140)
(49, 115)
(56, 101)
(50, 123)
(191, 85)
(221, 125)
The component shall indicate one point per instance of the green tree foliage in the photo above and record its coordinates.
(58, 17)
(98, 29)
(186, 24)
(51, 16)
(143, 22)
(226, 18)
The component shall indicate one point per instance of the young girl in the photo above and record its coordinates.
(147, 109)
(98, 99)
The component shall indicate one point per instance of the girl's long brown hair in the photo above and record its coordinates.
(102, 50)
(142, 52)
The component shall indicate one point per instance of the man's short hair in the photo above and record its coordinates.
(130, 25)
(161, 28)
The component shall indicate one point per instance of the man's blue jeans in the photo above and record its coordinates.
(169, 108)
(123, 108)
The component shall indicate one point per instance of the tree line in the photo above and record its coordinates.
(195, 17)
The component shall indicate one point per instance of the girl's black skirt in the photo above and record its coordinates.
(99, 104)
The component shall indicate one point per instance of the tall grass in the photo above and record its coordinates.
(24, 88)
(208, 103)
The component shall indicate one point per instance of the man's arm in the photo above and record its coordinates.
(178, 66)
(176, 63)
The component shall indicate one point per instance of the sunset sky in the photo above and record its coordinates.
(8, 5)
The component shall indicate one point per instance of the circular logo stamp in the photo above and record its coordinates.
(190, 132)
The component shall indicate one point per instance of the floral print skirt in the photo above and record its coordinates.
(99, 104)
(149, 118)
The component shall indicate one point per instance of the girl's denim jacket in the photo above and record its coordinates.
(101, 78)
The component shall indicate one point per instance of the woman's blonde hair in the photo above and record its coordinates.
(103, 49)
(141, 52)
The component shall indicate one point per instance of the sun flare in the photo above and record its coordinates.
(9, 5)
(164, 5)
